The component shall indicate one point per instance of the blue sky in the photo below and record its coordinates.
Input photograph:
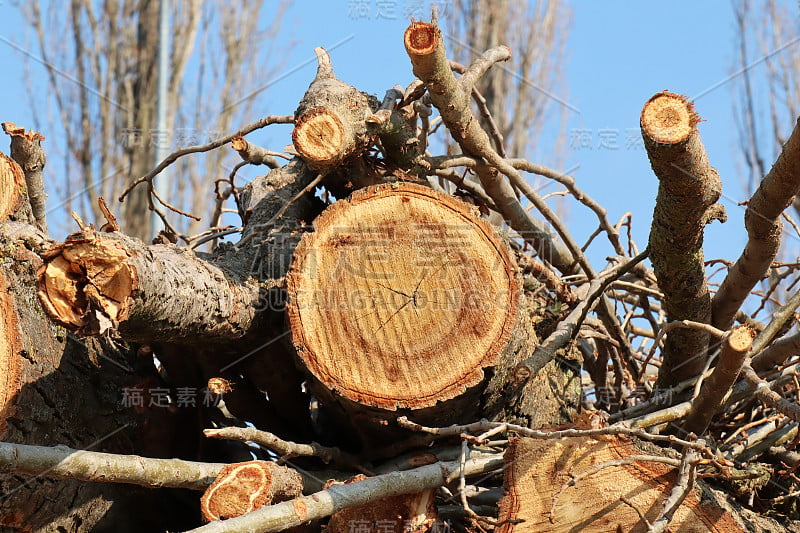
(619, 53)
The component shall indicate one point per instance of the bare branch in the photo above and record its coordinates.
(325, 503)
(282, 447)
(61, 461)
(174, 156)
(734, 350)
(763, 223)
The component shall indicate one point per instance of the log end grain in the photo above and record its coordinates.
(540, 497)
(668, 118)
(244, 487)
(320, 137)
(401, 297)
(83, 274)
(421, 38)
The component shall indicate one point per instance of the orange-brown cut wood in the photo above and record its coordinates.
(401, 297)
(538, 473)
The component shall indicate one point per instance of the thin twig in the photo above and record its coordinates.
(174, 156)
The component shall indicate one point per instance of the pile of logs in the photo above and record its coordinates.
(391, 359)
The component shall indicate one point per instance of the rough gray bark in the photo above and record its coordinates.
(688, 188)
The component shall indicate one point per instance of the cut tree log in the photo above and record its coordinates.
(763, 223)
(541, 498)
(244, 487)
(734, 351)
(330, 122)
(688, 188)
(403, 299)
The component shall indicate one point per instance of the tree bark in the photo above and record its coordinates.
(26, 150)
(426, 50)
(687, 191)
(95, 282)
(55, 389)
(330, 122)
(712, 393)
(762, 221)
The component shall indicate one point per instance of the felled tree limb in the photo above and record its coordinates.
(255, 155)
(426, 50)
(405, 512)
(61, 461)
(712, 393)
(330, 122)
(567, 328)
(174, 156)
(682, 488)
(325, 503)
(687, 192)
(777, 352)
(763, 223)
(26, 150)
(396, 130)
(764, 392)
(284, 448)
(484, 426)
(95, 282)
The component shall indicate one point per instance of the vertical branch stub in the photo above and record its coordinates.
(687, 193)
(421, 38)
(324, 66)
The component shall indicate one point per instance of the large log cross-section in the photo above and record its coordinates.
(400, 299)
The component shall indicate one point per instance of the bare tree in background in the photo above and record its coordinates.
(767, 31)
(519, 94)
(102, 76)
